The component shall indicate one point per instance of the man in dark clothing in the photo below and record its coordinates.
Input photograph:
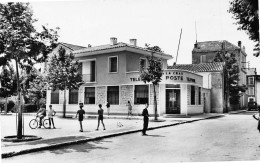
(146, 119)
(81, 113)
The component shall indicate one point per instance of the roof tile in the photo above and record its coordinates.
(202, 67)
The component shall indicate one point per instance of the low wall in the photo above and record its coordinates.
(195, 109)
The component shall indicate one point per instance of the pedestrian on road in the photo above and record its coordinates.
(129, 107)
(100, 116)
(51, 113)
(257, 117)
(146, 119)
(81, 113)
(41, 113)
(108, 109)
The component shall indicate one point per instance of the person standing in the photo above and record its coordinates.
(81, 113)
(145, 114)
(108, 109)
(100, 117)
(258, 118)
(51, 113)
(41, 113)
(129, 107)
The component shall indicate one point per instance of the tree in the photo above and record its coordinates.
(63, 74)
(153, 73)
(245, 12)
(8, 83)
(20, 41)
(233, 88)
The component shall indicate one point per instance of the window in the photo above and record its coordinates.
(73, 96)
(89, 71)
(143, 63)
(55, 97)
(141, 94)
(251, 91)
(113, 94)
(89, 95)
(251, 81)
(203, 59)
(199, 96)
(192, 100)
(112, 64)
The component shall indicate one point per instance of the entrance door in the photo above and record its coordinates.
(173, 102)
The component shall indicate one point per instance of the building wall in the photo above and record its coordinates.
(196, 57)
(217, 96)
(206, 99)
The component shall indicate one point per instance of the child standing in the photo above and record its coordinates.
(129, 107)
(81, 113)
(51, 113)
(258, 118)
(100, 116)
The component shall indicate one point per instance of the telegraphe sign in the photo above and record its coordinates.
(174, 76)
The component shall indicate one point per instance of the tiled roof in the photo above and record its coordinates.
(202, 67)
(101, 47)
(208, 46)
(109, 46)
(72, 47)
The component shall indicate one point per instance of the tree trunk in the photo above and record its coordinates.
(6, 100)
(64, 103)
(20, 120)
(154, 102)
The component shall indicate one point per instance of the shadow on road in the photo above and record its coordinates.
(84, 147)
(156, 135)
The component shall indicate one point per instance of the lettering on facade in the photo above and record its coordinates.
(191, 79)
(174, 77)
(135, 79)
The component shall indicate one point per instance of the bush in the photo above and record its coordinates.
(30, 108)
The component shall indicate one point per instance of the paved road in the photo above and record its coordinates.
(232, 138)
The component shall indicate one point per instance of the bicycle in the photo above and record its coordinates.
(34, 122)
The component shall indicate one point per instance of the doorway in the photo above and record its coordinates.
(173, 101)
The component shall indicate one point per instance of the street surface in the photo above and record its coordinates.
(231, 138)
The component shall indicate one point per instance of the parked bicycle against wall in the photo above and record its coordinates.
(36, 121)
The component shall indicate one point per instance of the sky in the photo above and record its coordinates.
(156, 22)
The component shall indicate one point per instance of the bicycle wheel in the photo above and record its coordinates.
(46, 123)
(33, 124)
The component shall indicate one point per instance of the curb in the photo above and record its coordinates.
(237, 112)
(37, 149)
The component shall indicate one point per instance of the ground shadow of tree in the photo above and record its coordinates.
(82, 147)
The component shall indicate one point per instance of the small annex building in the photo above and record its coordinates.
(213, 94)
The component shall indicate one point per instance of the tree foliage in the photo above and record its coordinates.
(245, 12)
(8, 81)
(19, 39)
(63, 71)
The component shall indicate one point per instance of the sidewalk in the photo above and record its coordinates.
(67, 131)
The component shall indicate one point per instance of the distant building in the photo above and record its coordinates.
(253, 84)
(205, 52)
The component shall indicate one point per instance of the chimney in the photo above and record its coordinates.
(239, 44)
(196, 44)
(113, 41)
(133, 42)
